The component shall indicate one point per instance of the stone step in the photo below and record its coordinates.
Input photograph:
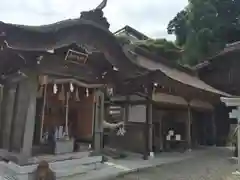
(62, 169)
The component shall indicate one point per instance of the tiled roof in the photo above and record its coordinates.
(228, 49)
(177, 75)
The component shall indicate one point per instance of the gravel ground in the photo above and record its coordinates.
(214, 165)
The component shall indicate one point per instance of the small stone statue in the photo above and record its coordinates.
(43, 172)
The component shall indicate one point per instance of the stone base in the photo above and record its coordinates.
(61, 168)
(64, 146)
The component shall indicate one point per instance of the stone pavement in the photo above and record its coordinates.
(135, 164)
(213, 165)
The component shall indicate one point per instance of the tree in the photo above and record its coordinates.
(204, 27)
(178, 26)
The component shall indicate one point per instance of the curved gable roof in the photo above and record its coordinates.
(91, 29)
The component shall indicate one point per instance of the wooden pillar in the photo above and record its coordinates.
(126, 110)
(7, 114)
(27, 141)
(1, 105)
(24, 96)
(98, 118)
(214, 128)
(238, 139)
(205, 123)
(161, 138)
(148, 125)
(188, 127)
(146, 152)
(101, 118)
(19, 115)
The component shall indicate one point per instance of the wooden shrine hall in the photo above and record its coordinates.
(53, 88)
(53, 81)
(170, 99)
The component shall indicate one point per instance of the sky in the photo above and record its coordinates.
(150, 17)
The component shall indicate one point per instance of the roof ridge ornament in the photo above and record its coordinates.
(96, 15)
(102, 5)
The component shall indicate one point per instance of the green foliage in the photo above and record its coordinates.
(162, 48)
(204, 27)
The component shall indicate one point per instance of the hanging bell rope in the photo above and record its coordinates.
(66, 115)
(77, 98)
(61, 95)
(40, 91)
(42, 80)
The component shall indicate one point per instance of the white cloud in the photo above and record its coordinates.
(149, 17)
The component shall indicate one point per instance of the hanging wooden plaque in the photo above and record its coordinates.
(76, 57)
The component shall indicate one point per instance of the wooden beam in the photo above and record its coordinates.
(74, 81)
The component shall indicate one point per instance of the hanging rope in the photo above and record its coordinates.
(43, 112)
